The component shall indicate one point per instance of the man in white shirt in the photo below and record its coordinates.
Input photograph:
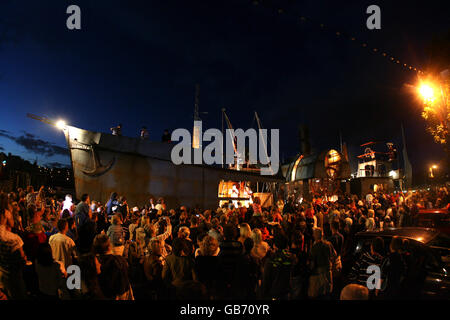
(63, 247)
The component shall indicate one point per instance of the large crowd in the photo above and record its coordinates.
(286, 252)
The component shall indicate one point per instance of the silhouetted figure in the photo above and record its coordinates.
(117, 131)
(166, 136)
(144, 133)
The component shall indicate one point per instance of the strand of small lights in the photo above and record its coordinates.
(304, 19)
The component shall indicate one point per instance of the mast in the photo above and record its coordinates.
(223, 112)
(407, 164)
(197, 128)
(227, 120)
(258, 121)
(197, 96)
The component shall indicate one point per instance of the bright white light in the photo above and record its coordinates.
(393, 174)
(67, 204)
(426, 91)
(61, 124)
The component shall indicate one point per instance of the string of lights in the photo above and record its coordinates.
(303, 20)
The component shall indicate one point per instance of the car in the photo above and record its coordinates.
(429, 243)
(433, 218)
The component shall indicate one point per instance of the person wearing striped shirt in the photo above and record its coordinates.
(375, 256)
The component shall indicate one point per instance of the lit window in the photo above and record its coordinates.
(332, 163)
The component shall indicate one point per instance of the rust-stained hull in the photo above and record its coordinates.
(103, 163)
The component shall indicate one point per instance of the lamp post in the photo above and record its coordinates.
(432, 171)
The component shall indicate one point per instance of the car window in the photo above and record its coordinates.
(429, 257)
(441, 240)
(363, 245)
(441, 245)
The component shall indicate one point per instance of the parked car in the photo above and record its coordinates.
(433, 218)
(429, 243)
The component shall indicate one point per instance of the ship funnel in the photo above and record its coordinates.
(305, 144)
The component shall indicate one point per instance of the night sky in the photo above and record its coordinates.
(137, 62)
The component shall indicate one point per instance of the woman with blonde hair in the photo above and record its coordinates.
(245, 232)
(116, 235)
(208, 247)
(370, 222)
(260, 247)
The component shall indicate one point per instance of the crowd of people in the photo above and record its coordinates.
(286, 252)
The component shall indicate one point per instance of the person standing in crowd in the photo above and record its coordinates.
(208, 266)
(111, 204)
(276, 282)
(337, 241)
(51, 275)
(63, 247)
(82, 211)
(116, 235)
(193, 228)
(245, 232)
(179, 266)
(144, 133)
(87, 233)
(153, 268)
(34, 234)
(161, 206)
(12, 256)
(72, 229)
(260, 247)
(166, 137)
(31, 196)
(117, 131)
(150, 205)
(375, 257)
(90, 285)
(394, 269)
(123, 207)
(322, 258)
(113, 277)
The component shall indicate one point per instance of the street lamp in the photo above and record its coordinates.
(433, 167)
(434, 92)
(427, 92)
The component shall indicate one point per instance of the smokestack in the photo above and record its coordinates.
(305, 144)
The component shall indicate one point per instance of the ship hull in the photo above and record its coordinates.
(140, 169)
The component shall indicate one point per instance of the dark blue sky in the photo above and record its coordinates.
(137, 62)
